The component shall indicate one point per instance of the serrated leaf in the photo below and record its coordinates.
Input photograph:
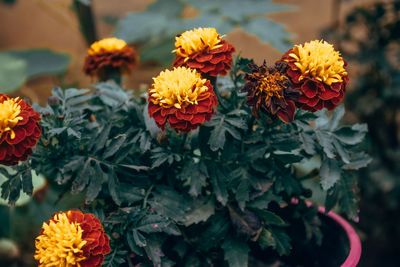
(353, 135)
(95, 184)
(113, 186)
(265, 239)
(330, 173)
(200, 212)
(170, 203)
(236, 252)
(343, 153)
(27, 185)
(82, 178)
(358, 161)
(337, 115)
(114, 146)
(218, 182)
(282, 241)
(217, 137)
(325, 140)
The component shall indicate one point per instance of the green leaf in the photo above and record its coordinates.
(200, 212)
(130, 194)
(170, 203)
(215, 232)
(95, 183)
(236, 252)
(337, 115)
(159, 51)
(13, 73)
(265, 239)
(217, 136)
(347, 191)
(113, 186)
(27, 185)
(42, 61)
(154, 223)
(82, 179)
(282, 241)
(325, 140)
(114, 146)
(269, 32)
(253, 7)
(218, 182)
(357, 161)
(330, 173)
(353, 135)
(269, 217)
(153, 250)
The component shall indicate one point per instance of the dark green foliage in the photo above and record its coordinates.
(203, 197)
(163, 19)
(18, 66)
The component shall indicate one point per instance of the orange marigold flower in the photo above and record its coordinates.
(318, 72)
(182, 98)
(270, 92)
(19, 130)
(72, 238)
(203, 49)
(109, 54)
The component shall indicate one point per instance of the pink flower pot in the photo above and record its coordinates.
(355, 244)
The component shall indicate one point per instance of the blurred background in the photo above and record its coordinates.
(43, 43)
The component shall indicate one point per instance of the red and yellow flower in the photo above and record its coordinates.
(182, 98)
(19, 130)
(204, 50)
(318, 72)
(72, 238)
(270, 91)
(109, 54)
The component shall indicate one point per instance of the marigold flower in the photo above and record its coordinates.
(203, 49)
(72, 239)
(110, 53)
(19, 130)
(182, 98)
(318, 72)
(270, 92)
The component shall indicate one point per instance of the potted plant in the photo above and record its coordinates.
(202, 169)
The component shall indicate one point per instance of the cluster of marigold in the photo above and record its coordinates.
(311, 76)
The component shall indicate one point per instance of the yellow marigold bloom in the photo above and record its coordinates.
(181, 98)
(193, 41)
(319, 60)
(9, 116)
(181, 85)
(60, 243)
(107, 45)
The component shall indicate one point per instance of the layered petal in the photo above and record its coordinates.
(318, 73)
(204, 50)
(111, 53)
(270, 92)
(181, 98)
(72, 239)
(19, 130)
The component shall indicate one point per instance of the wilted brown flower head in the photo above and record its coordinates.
(270, 91)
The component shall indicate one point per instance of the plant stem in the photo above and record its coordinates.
(85, 15)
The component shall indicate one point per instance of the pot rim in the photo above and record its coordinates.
(355, 244)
